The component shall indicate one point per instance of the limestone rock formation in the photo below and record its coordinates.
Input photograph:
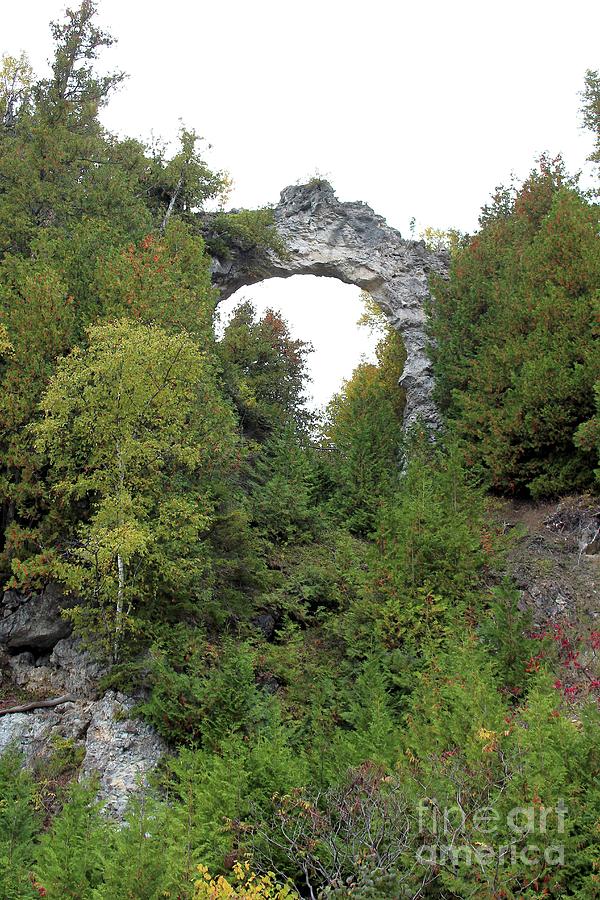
(121, 749)
(350, 242)
(116, 746)
(33, 620)
(118, 749)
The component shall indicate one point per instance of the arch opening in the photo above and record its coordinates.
(323, 311)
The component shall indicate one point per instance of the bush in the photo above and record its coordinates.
(432, 544)
(201, 693)
(218, 801)
(73, 852)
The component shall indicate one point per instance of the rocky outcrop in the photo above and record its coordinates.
(553, 557)
(578, 518)
(33, 621)
(117, 748)
(67, 670)
(120, 749)
(348, 241)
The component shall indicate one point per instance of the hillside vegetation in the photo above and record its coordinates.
(323, 615)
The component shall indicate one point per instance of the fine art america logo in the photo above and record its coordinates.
(523, 828)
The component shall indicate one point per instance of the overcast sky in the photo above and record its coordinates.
(417, 108)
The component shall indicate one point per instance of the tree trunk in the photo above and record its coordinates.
(120, 561)
(172, 203)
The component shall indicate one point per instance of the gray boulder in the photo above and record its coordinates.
(117, 748)
(34, 621)
(67, 670)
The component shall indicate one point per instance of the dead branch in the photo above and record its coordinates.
(38, 704)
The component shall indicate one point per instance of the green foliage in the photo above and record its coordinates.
(134, 425)
(316, 578)
(456, 710)
(165, 282)
(65, 759)
(221, 797)
(134, 864)
(265, 371)
(374, 734)
(246, 231)
(16, 77)
(284, 490)
(516, 357)
(505, 631)
(591, 109)
(37, 314)
(362, 437)
(19, 824)
(201, 692)
(72, 854)
(73, 199)
(56, 161)
(587, 436)
(187, 181)
(432, 546)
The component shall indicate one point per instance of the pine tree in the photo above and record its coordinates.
(20, 823)
(363, 435)
(516, 356)
(265, 369)
(134, 864)
(72, 854)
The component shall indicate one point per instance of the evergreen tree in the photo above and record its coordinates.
(431, 548)
(72, 853)
(516, 356)
(74, 199)
(19, 825)
(265, 369)
(134, 864)
(362, 437)
(591, 110)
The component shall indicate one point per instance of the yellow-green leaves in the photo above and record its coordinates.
(136, 431)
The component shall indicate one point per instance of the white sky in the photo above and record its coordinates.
(417, 108)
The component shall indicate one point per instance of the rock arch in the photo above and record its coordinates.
(350, 242)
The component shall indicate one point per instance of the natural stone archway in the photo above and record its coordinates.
(348, 241)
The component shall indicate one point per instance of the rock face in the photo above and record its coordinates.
(348, 241)
(33, 621)
(120, 749)
(67, 670)
(579, 519)
(116, 747)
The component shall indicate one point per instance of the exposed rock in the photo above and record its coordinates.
(578, 519)
(348, 241)
(68, 669)
(266, 623)
(120, 749)
(550, 561)
(33, 621)
(117, 747)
